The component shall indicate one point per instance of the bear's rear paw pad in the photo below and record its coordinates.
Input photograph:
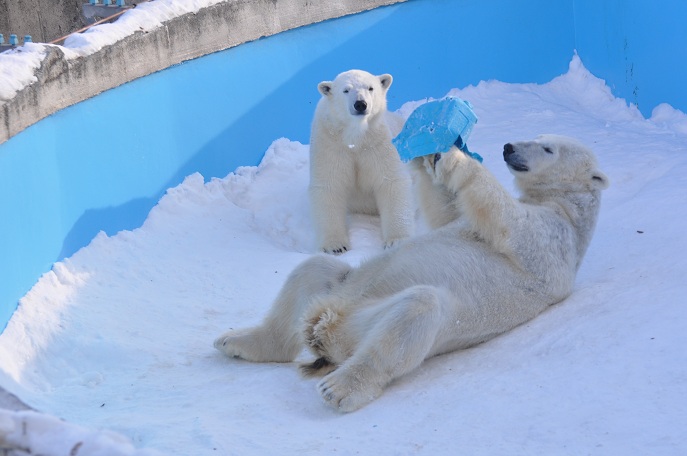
(235, 343)
(247, 344)
(346, 392)
(319, 330)
(321, 334)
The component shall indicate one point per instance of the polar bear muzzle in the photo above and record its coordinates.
(513, 160)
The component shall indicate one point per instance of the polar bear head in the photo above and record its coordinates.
(356, 94)
(553, 161)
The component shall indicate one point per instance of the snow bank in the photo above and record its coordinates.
(34, 433)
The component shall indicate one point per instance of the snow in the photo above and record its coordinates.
(17, 69)
(18, 65)
(117, 340)
(29, 432)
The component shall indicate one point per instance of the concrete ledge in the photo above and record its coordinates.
(63, 82)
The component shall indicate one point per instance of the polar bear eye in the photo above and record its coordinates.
(548, 150)
(371, 89)
(345, 90)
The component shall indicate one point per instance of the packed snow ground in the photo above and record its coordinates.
(119, 336)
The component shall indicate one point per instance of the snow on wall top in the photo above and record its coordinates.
(18, 66)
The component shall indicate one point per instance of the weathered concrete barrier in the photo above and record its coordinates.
(62, 82)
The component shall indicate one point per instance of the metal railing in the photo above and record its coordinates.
(13, 41)
(104, 7)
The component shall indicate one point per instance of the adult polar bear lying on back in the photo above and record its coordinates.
(354, 167)
(497, 264)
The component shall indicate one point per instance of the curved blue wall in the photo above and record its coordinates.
(104, 163)
(638, 47)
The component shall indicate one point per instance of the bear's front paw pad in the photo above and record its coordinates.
(335, 250)
(430, 163)
(392, 243)
(451, 162)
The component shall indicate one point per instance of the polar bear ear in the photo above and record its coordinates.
(325, 88)
(386, 81)
(599, 179)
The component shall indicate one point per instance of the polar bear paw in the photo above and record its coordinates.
(320, 332)
(335, 249)
(429, 163)
(252, 345)
(390, 244)
(446, 163)
(238, 344)
(347, 392)
(451, 169)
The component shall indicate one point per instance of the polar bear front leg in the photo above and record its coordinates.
(485, 204)
(279, 338)
(403, 335)
(393, 199)
(436, 202)
(455, 170)
(329, 207)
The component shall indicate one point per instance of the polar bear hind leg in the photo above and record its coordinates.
(280, 338)
(322, 326)
(405, 333)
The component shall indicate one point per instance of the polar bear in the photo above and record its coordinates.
(354, 167)
(497, 264)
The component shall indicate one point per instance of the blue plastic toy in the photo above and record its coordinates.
(436, 126)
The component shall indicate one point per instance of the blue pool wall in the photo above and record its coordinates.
(103, 164)
(638, 47)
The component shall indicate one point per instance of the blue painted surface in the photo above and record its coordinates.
(638, 47)
(73, 174)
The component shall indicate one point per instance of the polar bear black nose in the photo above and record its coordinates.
(360, 106)
(507, 150)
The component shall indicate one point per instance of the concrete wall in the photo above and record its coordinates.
(44, 20)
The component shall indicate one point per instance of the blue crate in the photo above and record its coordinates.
(436, 126)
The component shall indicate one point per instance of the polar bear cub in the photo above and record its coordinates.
(498, 263)
(354, 167)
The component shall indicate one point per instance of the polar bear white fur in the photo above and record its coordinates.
(497, 264)
(354, 167)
